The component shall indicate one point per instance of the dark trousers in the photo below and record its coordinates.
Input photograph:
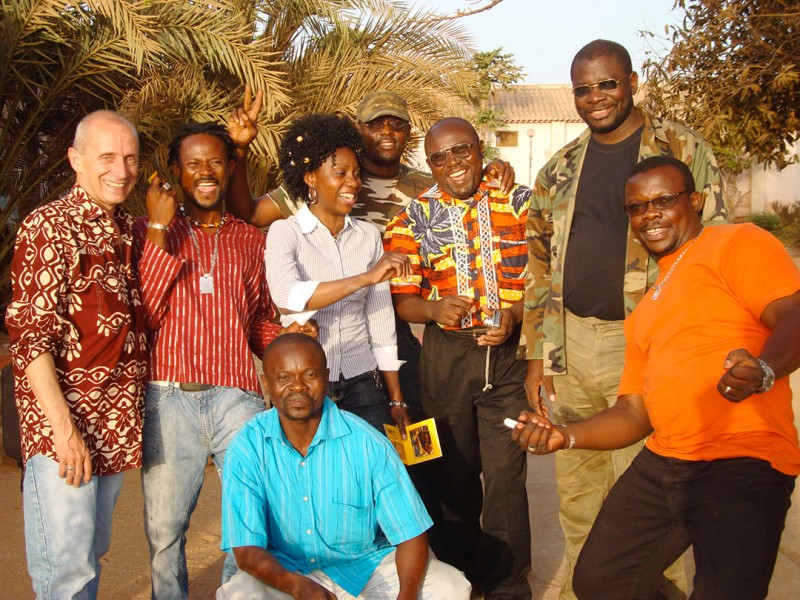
(469, 418)
(365, 396)
(730, 510)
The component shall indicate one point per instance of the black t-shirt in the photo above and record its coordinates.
(594, 267)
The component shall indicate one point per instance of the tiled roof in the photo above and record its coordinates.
(536, 104)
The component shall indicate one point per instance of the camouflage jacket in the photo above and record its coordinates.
(548, 227)
(382, 198)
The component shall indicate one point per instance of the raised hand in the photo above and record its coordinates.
(243, 122)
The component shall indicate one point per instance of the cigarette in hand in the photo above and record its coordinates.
(166, 186)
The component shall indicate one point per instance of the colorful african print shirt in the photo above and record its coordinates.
(550, 218)
(77, 297)
(474, 248)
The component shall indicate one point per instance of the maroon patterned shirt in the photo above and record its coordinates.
(203, 337)
(77, 298)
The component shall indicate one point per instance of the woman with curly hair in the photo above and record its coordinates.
(323, 264)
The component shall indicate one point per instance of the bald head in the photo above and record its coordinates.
(284, 342)
(455, 157)
(98, 118)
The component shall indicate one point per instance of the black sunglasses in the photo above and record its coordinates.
(439, 157)
(607, 85)
(634, 209)
(376, 125)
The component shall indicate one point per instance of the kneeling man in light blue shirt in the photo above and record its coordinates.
(316, 503)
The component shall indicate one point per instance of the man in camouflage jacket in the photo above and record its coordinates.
(573, 309)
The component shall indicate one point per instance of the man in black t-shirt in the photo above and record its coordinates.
(586, 272)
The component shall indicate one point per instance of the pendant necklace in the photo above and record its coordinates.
(206, 279)
(658, 288)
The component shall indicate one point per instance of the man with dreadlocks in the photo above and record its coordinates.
(207, 305)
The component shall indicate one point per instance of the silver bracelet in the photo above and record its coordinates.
(400, 404)
(569, 436)
(159, 226)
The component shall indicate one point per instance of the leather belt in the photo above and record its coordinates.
(473, 333)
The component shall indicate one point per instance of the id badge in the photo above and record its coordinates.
(207, 284)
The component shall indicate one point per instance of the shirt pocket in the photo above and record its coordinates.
(513, 259)
(352, 522)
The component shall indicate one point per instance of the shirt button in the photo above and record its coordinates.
(313, 560)
(308, 531)
(305, 498)
(303, 464)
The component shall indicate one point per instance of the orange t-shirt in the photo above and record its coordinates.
(677, 344)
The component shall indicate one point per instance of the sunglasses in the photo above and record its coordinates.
(377, 125)
(439, 158)
(607, 85)
(635, 209)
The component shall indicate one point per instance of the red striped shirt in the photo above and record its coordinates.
(203, 338)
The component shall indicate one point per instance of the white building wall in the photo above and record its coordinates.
(530, 153)
(759, 187)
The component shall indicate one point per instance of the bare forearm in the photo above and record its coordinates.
(392, 380)
(413, 308)
(329, 292)
(239, 199)
(262, 564)
(411, 559)
(617, 427)
(781, 351)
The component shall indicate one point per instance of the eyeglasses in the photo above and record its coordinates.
(635, 209)
(607, 85)
(377, 125)
(439, 158)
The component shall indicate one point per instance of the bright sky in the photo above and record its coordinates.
(544, 35)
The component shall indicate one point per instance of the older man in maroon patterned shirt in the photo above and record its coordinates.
(79, 351)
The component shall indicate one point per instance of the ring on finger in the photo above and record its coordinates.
(70, 468)
(531, 449)
(727, 389)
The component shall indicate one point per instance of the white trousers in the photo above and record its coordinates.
(442, 582)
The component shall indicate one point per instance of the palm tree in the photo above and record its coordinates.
(164, 62)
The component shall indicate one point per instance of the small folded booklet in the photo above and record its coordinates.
(421, 443)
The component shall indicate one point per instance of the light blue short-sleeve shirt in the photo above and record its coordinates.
(322, 511)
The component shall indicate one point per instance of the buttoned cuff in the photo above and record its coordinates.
(299, 295)
(386, 357)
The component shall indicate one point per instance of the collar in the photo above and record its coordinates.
(308, 221)
(331, 426)
(91, 210)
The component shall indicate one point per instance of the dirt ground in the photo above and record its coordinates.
(126, 570)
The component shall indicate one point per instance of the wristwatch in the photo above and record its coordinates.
(769, 377)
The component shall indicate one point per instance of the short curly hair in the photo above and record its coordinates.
(309, 142)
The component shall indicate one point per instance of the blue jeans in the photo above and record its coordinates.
(181, 430)
(365, 396)
(67, 530)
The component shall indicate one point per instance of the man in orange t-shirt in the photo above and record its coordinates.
(709, 351)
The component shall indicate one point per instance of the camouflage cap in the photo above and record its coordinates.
(381, 104)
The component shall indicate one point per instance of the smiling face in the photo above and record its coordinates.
(106, 160)
(297, 379)
(337, 182)
(203, 169)
(385, 141)
(606, 113)
(663, 231)
(458, 177)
